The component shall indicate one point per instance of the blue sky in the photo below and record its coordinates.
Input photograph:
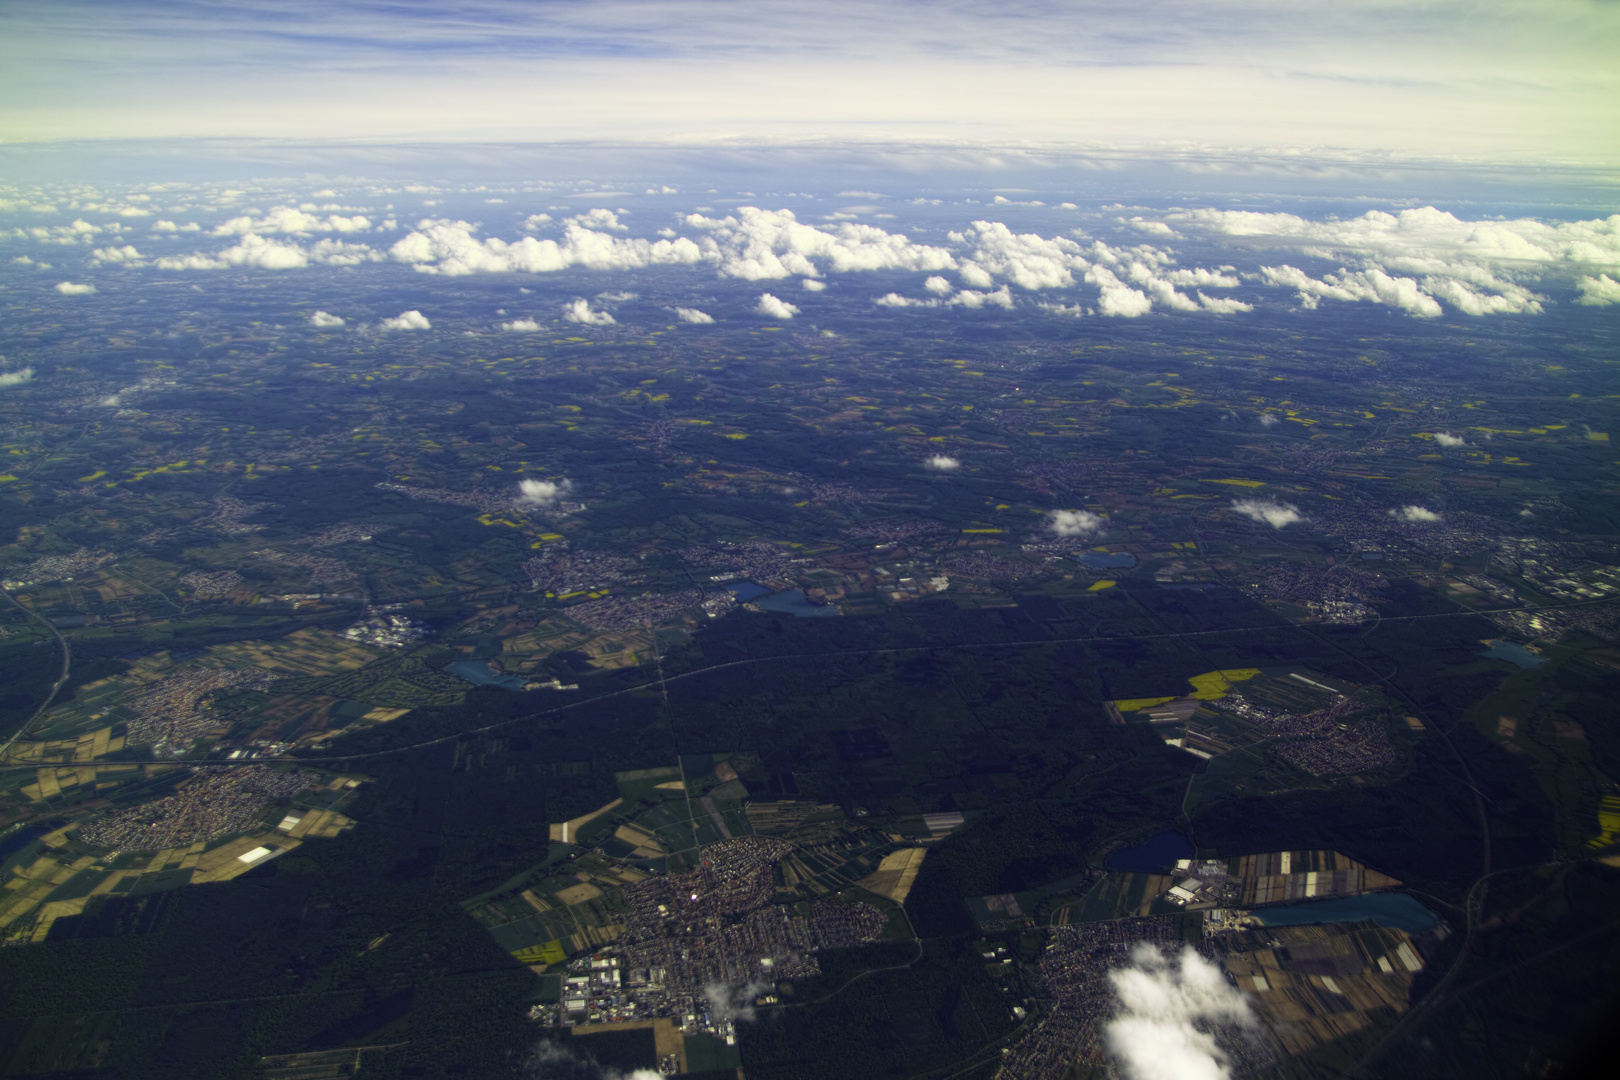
(1495, 81)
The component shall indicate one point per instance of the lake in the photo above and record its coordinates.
(1514, 654)
(477, 671)
(1393, 909)
(1109, 560)
(745, 591)
(1153, 856)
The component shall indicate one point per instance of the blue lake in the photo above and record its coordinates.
(1392, 909)
(792, 602)
(745, 591)
(1514, 654)
(1153, 856)
(476, 671)
(1109, 560)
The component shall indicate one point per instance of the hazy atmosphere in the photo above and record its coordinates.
(747, 541)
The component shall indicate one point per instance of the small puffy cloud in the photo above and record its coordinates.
(70, 288)
(1166, 1006)
(1269, 420)
(1414, 514)
(520, 326)
(599, 219)
(942, 463)
(938, 286)
(325, 321)
(1268, 512)
(1075, 522)
(773, 308)
(693, 315)
(407, 320)
(125, 255)
(810, 284)
(536, 221)
(1446, 439)
(1222, 305)
(894, 299)
(23, 260)
(969, 298)
(1600, 291)
(537, 493)
(579, 311)
(618, 297)
(1153, 228)
(15, 378)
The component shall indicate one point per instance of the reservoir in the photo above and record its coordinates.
(1393, 909)
(476, 671)
(745, 591)
(1109, 560)
(1514, 654)
(1153, 856)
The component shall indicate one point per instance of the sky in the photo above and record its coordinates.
(1509, 81)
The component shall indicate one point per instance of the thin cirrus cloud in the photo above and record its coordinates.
(1520, 77)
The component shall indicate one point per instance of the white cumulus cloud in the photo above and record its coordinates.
(449, 247)
(537, 493)
(521, 326)
(1166, 1008)
(125, 255)
(291, 219)
(1476, 267)
(938, 286)
(599, 219)
(1268, 512)
(758, 245)
(1414, 514)
(1600, 291)
(407, 320)
(693, 315)
(253, 250)
(942, 463)
(773, 308)
(1118, 299)
(71, 288)
(579, 311)
(1446, 439)
(14, 378)
(325, 321)
(811, 284)
(1075, 522)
